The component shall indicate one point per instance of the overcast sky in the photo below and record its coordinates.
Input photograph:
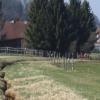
(95, 6)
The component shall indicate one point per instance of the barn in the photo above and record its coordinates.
(97, 44)
(13, 34)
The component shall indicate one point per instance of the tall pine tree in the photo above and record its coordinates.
(47, 25)
(88, 28)
(37, 22)
(59, 22)
(1, 20)
(74, 29)
(54, 25)
(82, 25)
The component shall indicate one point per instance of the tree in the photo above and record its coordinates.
(54, 25)
(35, 33)
(1, 18)
(88, 28)
(89, 45)
(1, 24)
(82, 25)
(47, 25)
(59, 22)
(74, 26)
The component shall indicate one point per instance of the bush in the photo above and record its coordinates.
(95, 56)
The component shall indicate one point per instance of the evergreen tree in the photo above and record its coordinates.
(35, 32)
(89, 45)
(47, 25)
(74, 24)
(54, 25)
(59, 22)
(1, 18)
(81, 23)
(88, 27)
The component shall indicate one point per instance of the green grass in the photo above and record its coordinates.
(84, 80)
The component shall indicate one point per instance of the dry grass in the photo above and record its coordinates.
(46, 89)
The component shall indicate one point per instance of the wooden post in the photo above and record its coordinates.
(54, 57)
(64, 61)
(59, 58)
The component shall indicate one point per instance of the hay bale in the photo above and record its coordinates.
(9, 84)
(10, 94)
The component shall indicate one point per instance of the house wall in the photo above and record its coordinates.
(97, 47)
(23, 43)
(11, 43)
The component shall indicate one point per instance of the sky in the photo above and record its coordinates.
(95, 6)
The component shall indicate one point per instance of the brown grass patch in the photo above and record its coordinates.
(46, 90)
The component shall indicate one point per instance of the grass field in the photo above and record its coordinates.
(37, 79)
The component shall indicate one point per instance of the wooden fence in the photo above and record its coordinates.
(20, 51)
(67, 60)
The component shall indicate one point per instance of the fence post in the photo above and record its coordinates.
(54, 57)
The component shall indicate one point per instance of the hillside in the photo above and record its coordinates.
(20, 8)
(15, 8)
(97, 21)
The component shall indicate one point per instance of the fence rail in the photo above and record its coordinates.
(20, 51)
(34, 52)
(67, 60)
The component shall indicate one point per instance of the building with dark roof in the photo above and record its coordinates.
(97, 44)
(13, 34)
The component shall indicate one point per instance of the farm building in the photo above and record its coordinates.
(12, 34)
(97, 44)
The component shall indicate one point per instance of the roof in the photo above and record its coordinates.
(98, 36)
(14, 30)
(98, 31)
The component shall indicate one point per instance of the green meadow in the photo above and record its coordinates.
(38, 79)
